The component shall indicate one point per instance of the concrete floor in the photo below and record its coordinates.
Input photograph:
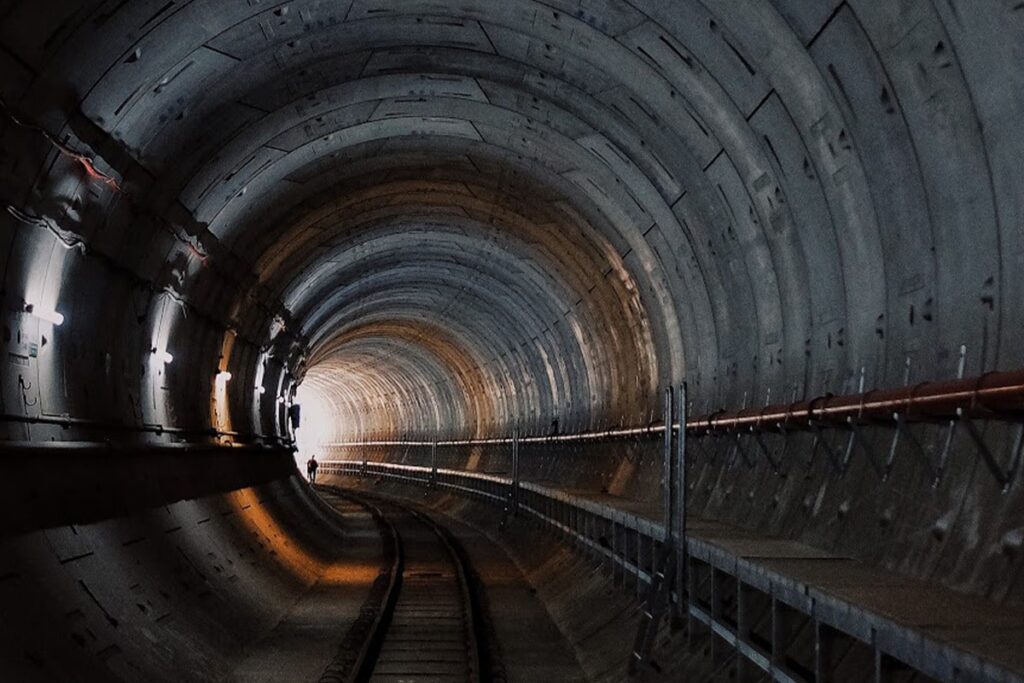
(305, 640)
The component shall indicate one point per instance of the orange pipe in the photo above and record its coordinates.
(991, 393)
(994, 392)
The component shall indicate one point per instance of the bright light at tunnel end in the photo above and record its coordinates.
(317, 426)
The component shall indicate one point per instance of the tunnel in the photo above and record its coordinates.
(512, 340)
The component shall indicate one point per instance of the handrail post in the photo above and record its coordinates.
(668, 471)
(515, 471)
(681, 607)
(433, 464)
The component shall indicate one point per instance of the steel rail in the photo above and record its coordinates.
(357, 667)
(470, 608)
(362, 669)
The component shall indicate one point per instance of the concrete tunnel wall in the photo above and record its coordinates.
(451, 218)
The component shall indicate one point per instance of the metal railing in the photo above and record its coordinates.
(775, 625)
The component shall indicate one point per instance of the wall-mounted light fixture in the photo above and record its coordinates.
(163, 356)
(223, 376)
(261, 390)
(48, 315)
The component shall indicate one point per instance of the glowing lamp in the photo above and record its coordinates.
(45, 314)
(163, 356)
(223, 376)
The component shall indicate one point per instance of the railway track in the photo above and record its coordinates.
(423, 620)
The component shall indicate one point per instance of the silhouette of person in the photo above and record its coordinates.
(311, 466)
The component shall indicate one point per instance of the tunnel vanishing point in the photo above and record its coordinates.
(654, 340)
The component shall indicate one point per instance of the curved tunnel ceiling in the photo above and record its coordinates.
(449, 219)
(452, 217)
